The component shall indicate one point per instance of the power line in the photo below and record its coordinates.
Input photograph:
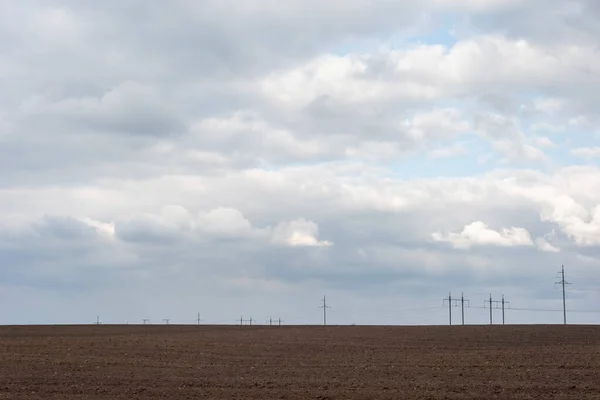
(540, 309)
(419, 309)
(586, 290)
(553, 310)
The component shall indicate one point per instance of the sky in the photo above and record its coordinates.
(245, 158)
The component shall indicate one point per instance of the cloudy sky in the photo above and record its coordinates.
(234, 157)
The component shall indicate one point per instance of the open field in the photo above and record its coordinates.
(188, 362)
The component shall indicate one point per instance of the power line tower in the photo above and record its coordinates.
(498, 304)
(145, 321)
(451, 302)
(454, 302)
(562, 282)
(324, 307)
(504, 303)
(198, 320)
(166, 321)
(272, 321)
(98, 320)
(242, 320)
(462, 306)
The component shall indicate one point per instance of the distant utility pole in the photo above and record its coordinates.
(454, 302)
(242, 320)
(145, 321)
(496, 304)
(166, 321)
(564, 298)
(98, 320)
(462, 306)
(324, 307)
(503, 304)
(490, 304)
(449, 300)
(271, 321)
(198, 319)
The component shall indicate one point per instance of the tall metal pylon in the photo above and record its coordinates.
(562, 282)
(496, 304)
(324, 307)
(490, 304)
(449, 299)
(503, 304)
(462, 306)
(454, 302)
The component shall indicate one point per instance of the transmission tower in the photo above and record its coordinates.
(503, 304)
(562, 282)
(324, 307)
(451, 302)
(98, 320)
(462, 306)
(454, 302)
(272, 321)
(498, 304)
(145, 321)
(166, 321)
(198, 319)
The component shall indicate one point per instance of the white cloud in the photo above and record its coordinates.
(219, 222)
(480, 5)
(542, 141)
(478, 234)
(546, 246)
(103, 228)
(221, 150)
(586, 152)
(224, 221)
(299, 233)
(549, 105)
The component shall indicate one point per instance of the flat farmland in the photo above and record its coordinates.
(351, 362)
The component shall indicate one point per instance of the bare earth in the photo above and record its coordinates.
(191, 362)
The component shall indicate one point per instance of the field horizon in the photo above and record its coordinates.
(299, 362)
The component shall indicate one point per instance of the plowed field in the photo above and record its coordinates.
(195, 362)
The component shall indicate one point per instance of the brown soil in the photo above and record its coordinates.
(190, 362)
